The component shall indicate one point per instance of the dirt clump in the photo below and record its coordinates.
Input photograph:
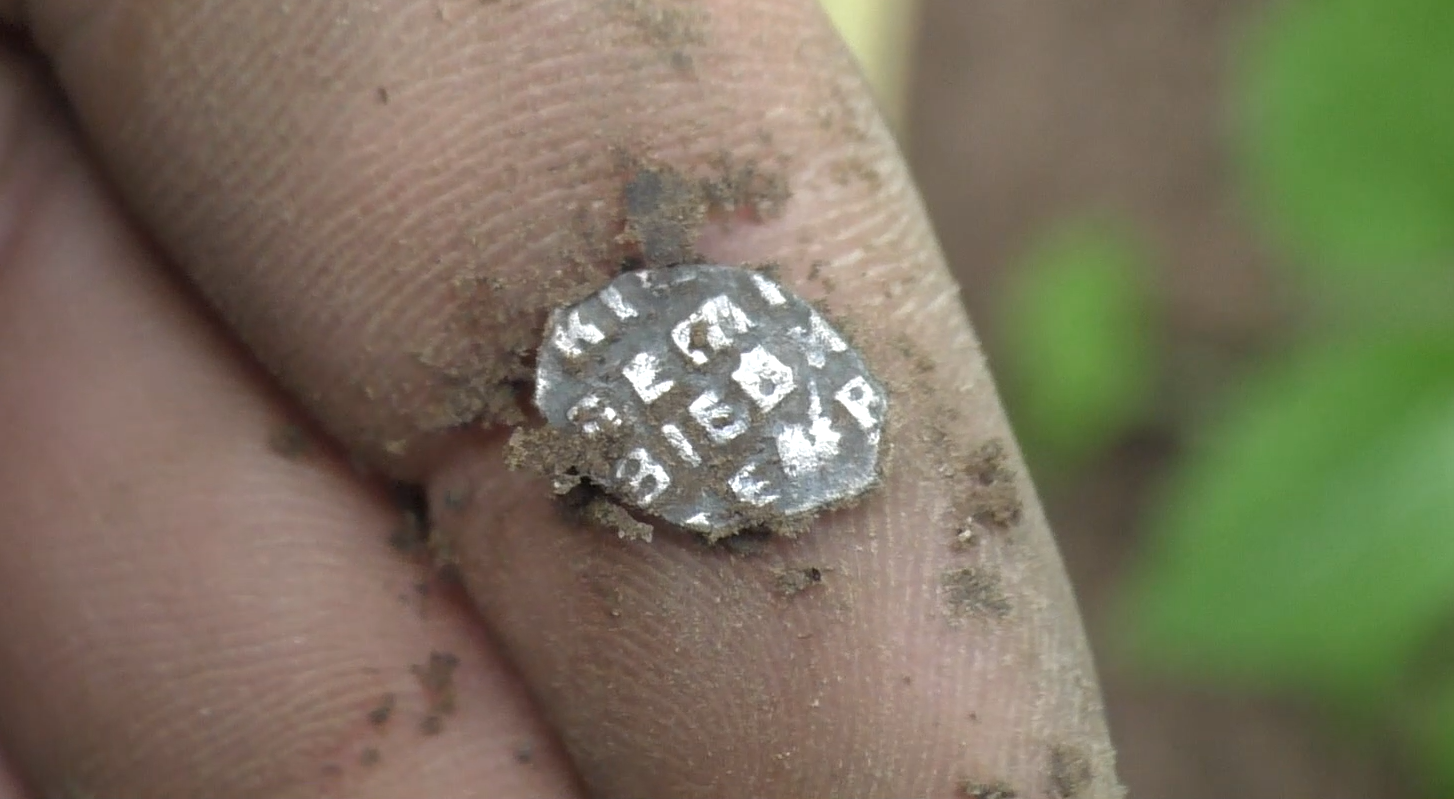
(973, 591)
(664, 214)
(794, 581)
(1070, 771)
(565, 458)
(745, 188)
(990, 498)
(608, 514)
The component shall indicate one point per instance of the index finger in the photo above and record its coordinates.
(385, 199)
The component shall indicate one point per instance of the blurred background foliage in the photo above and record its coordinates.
(1302, 539)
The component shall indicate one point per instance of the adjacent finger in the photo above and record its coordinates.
(198, 600)
(383, 199)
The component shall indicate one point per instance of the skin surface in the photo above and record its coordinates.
(257, 257)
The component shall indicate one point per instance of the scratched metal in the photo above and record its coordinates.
(730, 401)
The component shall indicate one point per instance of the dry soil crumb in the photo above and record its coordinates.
(992, 499)
(747, 543)
(1070, 771)
(369, 756)
(972, 591)
(990, 790)
(790, 582)
(564, 457)
(383, 711)
(608, 514)
(289, 441)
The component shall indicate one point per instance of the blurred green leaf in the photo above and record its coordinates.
(1309, 542)
(1433, 739)
(1078, 348)
(1349, 118)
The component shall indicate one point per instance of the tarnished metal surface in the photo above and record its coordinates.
(725, 401)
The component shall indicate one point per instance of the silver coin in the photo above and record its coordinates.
(725, 401)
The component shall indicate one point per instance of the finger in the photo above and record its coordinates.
(384, 199)
(194, 607)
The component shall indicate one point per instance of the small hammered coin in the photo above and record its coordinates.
(728, 401)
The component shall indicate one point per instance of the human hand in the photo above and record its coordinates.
(334, 233)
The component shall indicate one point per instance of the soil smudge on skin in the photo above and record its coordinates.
(665, 208)
(290, 441)
(791, 582)
(380, 714)
(670, 27)
(410, 536)
(436, 677)
(973, 591)
(664, 215)
(987, 790)
(990, 498)
(1070, 771)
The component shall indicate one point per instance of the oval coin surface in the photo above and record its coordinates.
(725, 401)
